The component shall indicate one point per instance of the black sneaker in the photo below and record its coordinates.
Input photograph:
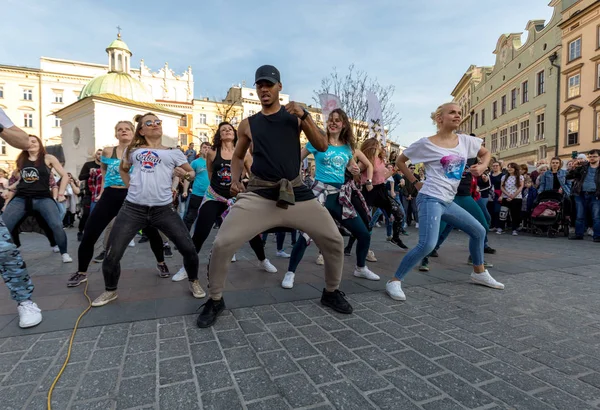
(434, 253)
(348, 252)
(424, 265)
(336, 301)
(79, 236)
(168, 251)
(489, 250)
(576, 238)
(76, 279)
(100, 257)
(212, 310)
(163, 270)
(398, 242)
(143, 239)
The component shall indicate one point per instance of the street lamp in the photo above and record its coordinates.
(553, 58)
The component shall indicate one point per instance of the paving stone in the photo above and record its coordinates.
(589, 362)
(460, 391)
(298, 391)
(285, 308)
(140, 344)
(112, 338)
(72, 374)
(462, 368)
(298, 347)
(28, 371)
(470, 339)
(445, 404)
(314, 334)
(391, 399)
(513, 397)
(385, 342)
(171, 330)
(102, 404)
(17, 344)
(329, 323)
(312, 311)
(275, 403)
(430, 334)
(252, 326)
(137, 391)
(255, 384)
(182, 396)
(98, 385)
(174, 370)
(424, 347)
(297, 319)
(466, 352)
(9, 360)
(244, 313)
(514, 359)
(226, 322)
(350, 339)
(561, 401)
(60, 400)
(213, 376)
(205, 352)
(362, 376)
(283, 330)
(106, 358)
(241, 358)
(513, 376)
(417, 363)
(411, 385)
(139, 364)
(557, 363)
(278, 363)
(263, 342)
(197, 335)
(144, 327)
(232, 338)
(270, 317)
(398, 332)
(573, 386)
(592, 379)
(45, 348)
(80, 352)
(344, 396)
(87, 334)
(319, 370)
(360, 326)
(377, 359)
(335, 352)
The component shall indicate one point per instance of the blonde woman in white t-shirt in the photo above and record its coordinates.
(444, 156)
(512, 186)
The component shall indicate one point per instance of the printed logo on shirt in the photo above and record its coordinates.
(148, 160)
(30, 175)
(453, 166)
(224, 174)
(335, 159)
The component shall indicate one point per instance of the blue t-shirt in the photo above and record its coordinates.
(331, 164)
(589, 183)
(201, 181)
(112, 176)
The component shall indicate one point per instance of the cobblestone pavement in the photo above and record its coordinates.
(451, 345)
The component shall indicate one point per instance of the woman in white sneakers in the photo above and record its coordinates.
(444, 156)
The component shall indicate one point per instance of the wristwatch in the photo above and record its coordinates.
(306, 114)
(369, 182)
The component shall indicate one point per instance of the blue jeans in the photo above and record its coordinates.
(431, 212)
(375, 218)
(13, 268)
(587, 203)
(48, 208)
(482, 202)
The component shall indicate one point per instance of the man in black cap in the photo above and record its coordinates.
(276, 195)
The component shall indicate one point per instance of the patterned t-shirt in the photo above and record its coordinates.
(511, 186)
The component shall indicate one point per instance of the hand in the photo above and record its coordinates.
(236, 188)
(354, 169)
(369, 187)
(560, 191)
(419, 185)
(509, 199)
(409, 198)
(184, 194)
(61, 198)
(477, 169)
(402, 182)
(179, 172)
(295, 109)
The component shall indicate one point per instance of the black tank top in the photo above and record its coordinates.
(34, 182)
(276, 151)
(221, 175)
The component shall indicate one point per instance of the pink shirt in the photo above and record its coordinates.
(379, 171)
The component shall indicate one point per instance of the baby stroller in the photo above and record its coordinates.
(548, 215)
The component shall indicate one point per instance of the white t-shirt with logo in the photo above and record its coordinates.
(443, 166)
(152, 175)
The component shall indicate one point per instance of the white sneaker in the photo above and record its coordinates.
(378, 225)
(180, 275)
(233, 259)
(132, 243)
(66, 258)
(364, 272)
(417, 225)
(371, 256)
(55, 249)
(320, 260)
(499, 231)
(515, 233)
(590, 232)
(283, 254)
(394, 290)
(486, 279)
(288, 280)
(268, 266)
(29, 314)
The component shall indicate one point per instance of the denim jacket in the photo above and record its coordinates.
(547, 182)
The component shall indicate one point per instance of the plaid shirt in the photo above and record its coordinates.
(95, 183)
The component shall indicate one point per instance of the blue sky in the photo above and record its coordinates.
(422, 48)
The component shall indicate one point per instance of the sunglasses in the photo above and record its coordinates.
(150, 122)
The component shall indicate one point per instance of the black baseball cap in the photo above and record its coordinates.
(268, 73)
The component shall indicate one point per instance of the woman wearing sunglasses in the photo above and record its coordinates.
(148, 203)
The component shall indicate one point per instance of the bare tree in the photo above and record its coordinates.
(228, 108)
(352, 92)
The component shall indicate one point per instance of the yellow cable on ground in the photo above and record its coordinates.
(70, 346)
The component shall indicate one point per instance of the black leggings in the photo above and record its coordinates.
(208, 214)
(192, 212)
(105, 211)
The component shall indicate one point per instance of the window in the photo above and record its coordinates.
(27, 120)
(204, 136)
(483, 117)
(27, 94)
(3, 147)
(503, 105)
(495, 142)
(542, 152)
(514, 136)
(539, 127)
(183, 140)
(573, 84)
(201, 118)
(58, 98)
(503, 139)
(574, 49)
(525, 132)
(57, 122)
(494, 110)
(597, 79)
(476, 120)
(513, 99)
(218, 119)
(573, 131)
(597, 131)
(251, 112)
(541, 87)
(1, 91)
(524, 92)
(183, 121)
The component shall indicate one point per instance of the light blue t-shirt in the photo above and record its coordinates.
(331, 164)
(589, 183)
(201, 181)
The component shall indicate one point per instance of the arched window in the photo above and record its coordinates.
(126, 64)
(112, 62)
(76, 136)
(120, 63)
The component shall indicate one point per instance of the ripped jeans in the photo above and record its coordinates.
(431, 212)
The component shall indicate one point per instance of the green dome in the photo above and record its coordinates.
(121, 84)
(120, 44)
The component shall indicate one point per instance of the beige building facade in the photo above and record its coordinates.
(580, 91)
(463, 92)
